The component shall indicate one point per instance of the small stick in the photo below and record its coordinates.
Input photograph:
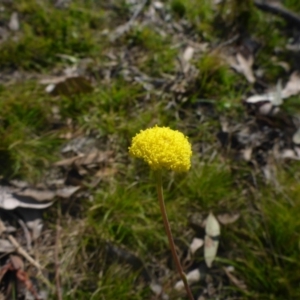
(22, 252)
(278, 10)
(127, 26)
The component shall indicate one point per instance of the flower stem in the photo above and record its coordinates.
(169, 233)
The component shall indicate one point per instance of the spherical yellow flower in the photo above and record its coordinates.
(162, 147)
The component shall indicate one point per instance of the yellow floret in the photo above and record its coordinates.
(162, 147)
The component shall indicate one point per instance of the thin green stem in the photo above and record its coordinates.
(169, 233)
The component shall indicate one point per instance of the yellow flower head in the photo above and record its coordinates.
(162, 147)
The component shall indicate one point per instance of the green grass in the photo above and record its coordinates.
(273, 244)
(46, 32)
(263, 245)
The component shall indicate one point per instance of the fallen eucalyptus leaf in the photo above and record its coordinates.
(193, 276)
(275, 98)
(67, 85)
(212, 227)
(196, 244)
(47, 195)
(9, 201)
(211, 240)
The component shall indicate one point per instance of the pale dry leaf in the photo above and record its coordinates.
(242, 65)
(188, 53)
(192, 277)
(246, 154)
(289, 153)
(14, 24)
(292, 87)
(47, 195)
(94, 157)
(6, 246)
(106, 172)
(67, 192)
(212, 227)
(19, 183)
(9, 200)
(196, 244)
(186, 57)
(297, 151)
(211, 240)
(260, 98)
(156, 288)
(245, 65)
(210, 250)
(228, 218)
(158, 5)
(267, 109)
(296, 137)
(275, 98)
(53, 80)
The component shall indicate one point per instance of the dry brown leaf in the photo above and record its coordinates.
(93, 157)
(67, 85)
(68, 161)
(17, 262)
(106, 172)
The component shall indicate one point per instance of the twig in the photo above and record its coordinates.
(126, 27)
(22, 252)
(57, 264)
(278, 10)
